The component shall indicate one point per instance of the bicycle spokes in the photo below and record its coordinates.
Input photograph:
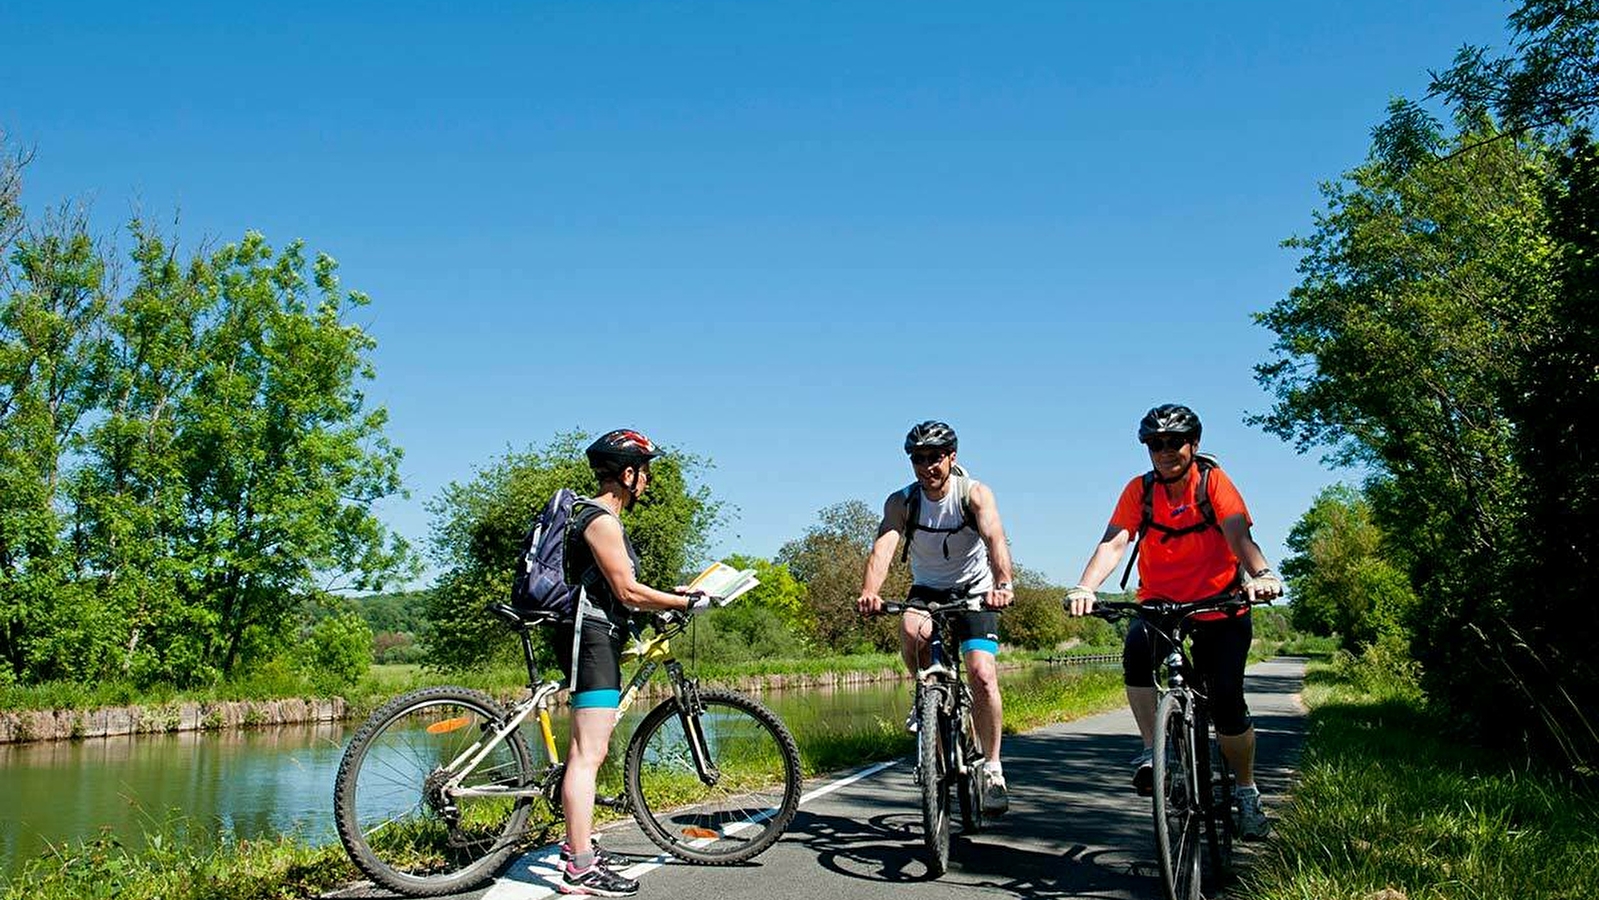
(714, 787)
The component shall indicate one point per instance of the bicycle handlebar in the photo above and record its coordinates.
(1113, 610)
(973, 603)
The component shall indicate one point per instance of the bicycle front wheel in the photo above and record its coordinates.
(932, 732)
(740, 803)
(1177, 803)
(397, 815)
(972, 787)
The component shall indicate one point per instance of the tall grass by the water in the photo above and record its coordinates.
(1029, 704)
(179, 862)
(1394, 803)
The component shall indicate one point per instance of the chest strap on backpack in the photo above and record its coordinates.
(1147, 521)
(913, 511)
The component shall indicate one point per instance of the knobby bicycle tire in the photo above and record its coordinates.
(1218, 777)
(390, 808)
(931, 731)
(973, 785)
(752, 801)
(1176, 806)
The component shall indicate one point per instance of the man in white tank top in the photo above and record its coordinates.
(956, 549)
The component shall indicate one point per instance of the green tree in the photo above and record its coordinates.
(478, 527)
(1423, 290)
(50, 351)
(1338, 576)
(1037, 619)
(829, 559)
(399, 612)
(335, 652)
(11, 220)
(1441, 337)
(1509, 624)
(131, 503)
(779, 591)
(1549, 80)
(1542, 641)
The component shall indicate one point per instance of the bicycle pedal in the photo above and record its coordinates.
(617, 802)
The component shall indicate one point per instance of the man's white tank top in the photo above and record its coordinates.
(966, 563)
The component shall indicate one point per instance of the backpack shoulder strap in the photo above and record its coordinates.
(963, 490)
(1145, 518)
(912, 495)
(584, 512)
(1202, 491)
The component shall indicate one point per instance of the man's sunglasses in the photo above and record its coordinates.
(927, 459)
(1156, 444)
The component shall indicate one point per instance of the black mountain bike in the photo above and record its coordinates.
(439, 788)
(1193, 783)
(948, 749)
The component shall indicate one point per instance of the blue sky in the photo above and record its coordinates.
(772, 234)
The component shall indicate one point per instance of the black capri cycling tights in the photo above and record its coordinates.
(1219, 650)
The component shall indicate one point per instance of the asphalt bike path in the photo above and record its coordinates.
(1075, 828)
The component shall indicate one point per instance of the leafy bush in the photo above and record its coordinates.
(336, 653)
(1383, 668)
(739, 633)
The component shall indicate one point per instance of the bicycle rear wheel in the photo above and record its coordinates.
(396, 816)
(1218, 786)
(754, 783)
(931, 733)
(1177, 802)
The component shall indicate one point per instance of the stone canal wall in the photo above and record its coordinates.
(63, 724)
(66, 724)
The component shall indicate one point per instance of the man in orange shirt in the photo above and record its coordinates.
(1199, 553)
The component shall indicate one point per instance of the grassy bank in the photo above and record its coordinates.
(1392, 804)
(1026, 708)
(177, 864)
(181, 864)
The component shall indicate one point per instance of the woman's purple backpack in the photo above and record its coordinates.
(539, 582)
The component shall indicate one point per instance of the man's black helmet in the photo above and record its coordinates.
(930, 435)
(619, 449)
(1169, 418)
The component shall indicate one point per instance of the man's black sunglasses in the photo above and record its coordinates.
(928, 459)
(1174, 442)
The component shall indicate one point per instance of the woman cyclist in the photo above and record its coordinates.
(1204, 548)
(601, 559)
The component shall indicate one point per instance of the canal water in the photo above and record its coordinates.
(254, 782)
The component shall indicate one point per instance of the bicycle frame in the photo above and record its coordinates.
(1174, 623)
(943, 668)
(949, 673)
(651, 652)
(438, 787)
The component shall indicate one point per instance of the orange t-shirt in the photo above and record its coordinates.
(1191, 567)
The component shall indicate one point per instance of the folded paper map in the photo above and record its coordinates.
(723, 583)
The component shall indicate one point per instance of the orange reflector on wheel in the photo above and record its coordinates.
(695, 831)
(448, 725)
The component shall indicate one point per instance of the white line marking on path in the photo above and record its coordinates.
(544, 863)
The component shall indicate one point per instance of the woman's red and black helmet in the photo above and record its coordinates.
(614, 451)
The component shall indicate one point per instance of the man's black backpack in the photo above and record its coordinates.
(539, 580)
(1204, 462)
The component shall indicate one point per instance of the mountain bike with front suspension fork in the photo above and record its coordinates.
(949, 751)
(439, 788)
(1193, 785)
